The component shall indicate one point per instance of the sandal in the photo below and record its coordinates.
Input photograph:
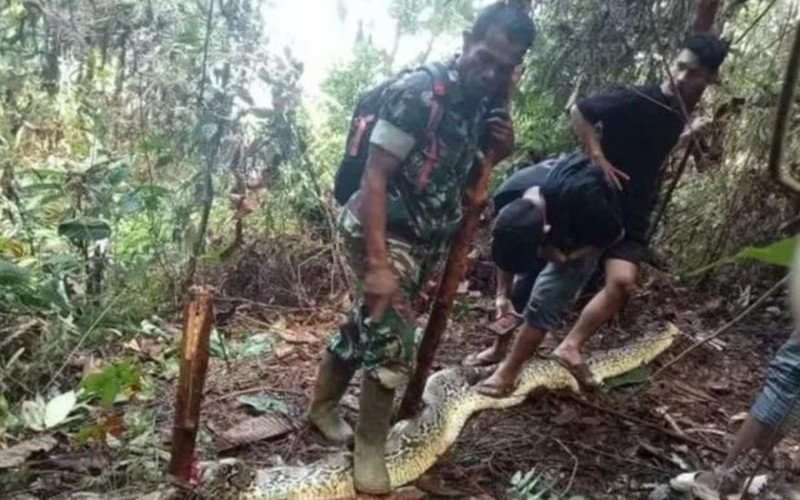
(581, 372)
(498, 391)
(687, 482)
(475, 361)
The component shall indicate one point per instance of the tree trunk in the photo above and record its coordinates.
(783, 115)
(706, 15)
(198, 318)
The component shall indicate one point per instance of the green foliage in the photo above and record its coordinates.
(114, 382)
(251, 347)
(532, 485)
(638, 376)
(260, 404)
(84, 230)
(780, 253)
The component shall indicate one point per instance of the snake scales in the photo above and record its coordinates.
(414, 445)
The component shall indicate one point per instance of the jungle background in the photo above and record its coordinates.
(149, 146)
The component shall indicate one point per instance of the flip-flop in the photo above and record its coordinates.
(687, 482)
(495, 390)
(473, 361)
(581, 372)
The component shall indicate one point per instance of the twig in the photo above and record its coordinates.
(261, 388)
(755, 22)
(574, 466)
(645, 423)
(719, 332)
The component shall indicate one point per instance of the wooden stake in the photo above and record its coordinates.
(198, 318)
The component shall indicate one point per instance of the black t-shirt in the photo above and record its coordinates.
(639, 129)
(568, 184)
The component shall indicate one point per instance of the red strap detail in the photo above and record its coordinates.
(431, 159)
(438, 89)
(360, 124)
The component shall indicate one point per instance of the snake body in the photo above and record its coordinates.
(414, 445)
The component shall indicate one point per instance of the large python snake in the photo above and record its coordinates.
(414, 445)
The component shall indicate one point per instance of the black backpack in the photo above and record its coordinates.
(351, 168)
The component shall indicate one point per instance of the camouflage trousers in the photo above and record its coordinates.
(386, 349)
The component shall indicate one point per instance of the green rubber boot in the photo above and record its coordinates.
(374, 421)
(333, 376)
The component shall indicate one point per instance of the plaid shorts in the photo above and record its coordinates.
(777, 404)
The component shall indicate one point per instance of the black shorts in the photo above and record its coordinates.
(633, 251)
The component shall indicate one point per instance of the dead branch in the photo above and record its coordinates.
(649, 425)
(722, 329)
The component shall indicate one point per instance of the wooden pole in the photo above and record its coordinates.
(475, 202)
(782, 116)
(198, 318)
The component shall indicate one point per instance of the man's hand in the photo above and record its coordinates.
(552, 254)
(380, 286)
(614, 176)
(501, 131)
(502, 306)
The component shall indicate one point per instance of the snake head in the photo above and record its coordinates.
(225, 478)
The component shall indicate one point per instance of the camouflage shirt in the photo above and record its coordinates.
(426, 207)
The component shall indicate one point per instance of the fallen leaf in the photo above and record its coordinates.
(133, 345)
(263, 404)
(90, 365)
(739, 417)
(32, 413)
(17, 454)
(254, 429)
(297, 337)
(151, 348)
(58, 409)
(438, 487)
(284, 352)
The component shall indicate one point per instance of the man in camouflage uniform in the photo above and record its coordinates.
(398, 226)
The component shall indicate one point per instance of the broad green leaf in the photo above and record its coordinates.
(113, 382)
(636, 376)
(780, 253)
(12, 274)
(58, 409)
(263, 404)
(85, 229)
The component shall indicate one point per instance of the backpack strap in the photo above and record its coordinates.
(440, 78)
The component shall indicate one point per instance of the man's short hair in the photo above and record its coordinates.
(510, 18)
(517, 234)
(710, 49)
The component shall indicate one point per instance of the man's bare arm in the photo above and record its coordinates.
(584, 130)
(380, 283)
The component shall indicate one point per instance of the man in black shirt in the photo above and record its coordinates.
(627, 133)
(552, 222)
(639, 127)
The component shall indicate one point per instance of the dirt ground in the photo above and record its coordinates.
(617, 444)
